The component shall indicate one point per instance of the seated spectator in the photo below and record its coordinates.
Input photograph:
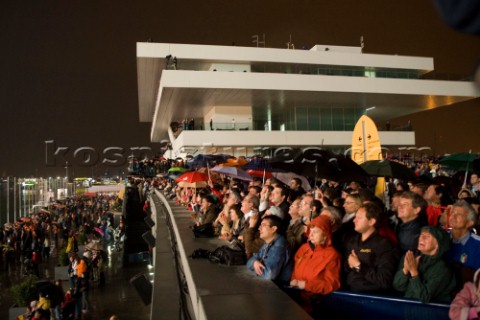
(317, 269)
(371, 260)
(317, 263)
(306, 208)
(296, 228)
(273, 260)
(437, 197)
(411, 212)
(334, 215)
(233, 230)
(278, 198)
(265, 198)
(465, 250)
(223, 219)
(296, 189)
(426, 277)
(250, 236)
(43, 305)
(347, 229)
(466, 304)
(208, 211)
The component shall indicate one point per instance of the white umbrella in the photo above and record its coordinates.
(233, 172)
(286, 177)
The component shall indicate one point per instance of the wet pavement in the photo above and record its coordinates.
(117, 297)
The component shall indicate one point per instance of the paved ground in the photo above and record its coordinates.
(117, 297)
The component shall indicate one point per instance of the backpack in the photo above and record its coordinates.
(226, 255)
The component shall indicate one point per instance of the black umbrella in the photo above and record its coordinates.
(387, 168)
(321, 163)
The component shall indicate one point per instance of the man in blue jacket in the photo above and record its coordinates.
(272, 261)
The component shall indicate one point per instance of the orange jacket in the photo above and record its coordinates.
(319, 268)
(81, 268)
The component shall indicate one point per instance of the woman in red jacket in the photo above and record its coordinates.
(317, 263)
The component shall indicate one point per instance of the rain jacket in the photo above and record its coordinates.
(435, 280)
(318, 267)
(464, 306)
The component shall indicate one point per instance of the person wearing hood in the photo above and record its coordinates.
(466, 304)
(427, 276)
(317, 264)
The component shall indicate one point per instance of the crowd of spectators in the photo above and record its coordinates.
(420, 242)
(58, 231)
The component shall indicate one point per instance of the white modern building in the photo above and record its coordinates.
(247, 100)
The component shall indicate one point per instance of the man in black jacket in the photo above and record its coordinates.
(371, 260)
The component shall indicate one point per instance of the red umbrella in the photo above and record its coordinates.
(192, 176)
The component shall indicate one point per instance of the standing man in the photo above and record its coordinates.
(371, 260)
(272, 261)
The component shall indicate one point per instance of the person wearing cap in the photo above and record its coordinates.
(465, 193)
(466, 304)
(426, 277)
(317, 264)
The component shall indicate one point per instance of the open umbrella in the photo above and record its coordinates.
(460, 162)
(177, 169)
(258, 167)
(286, 177)
(233, 172)
(387, 168)
(192, 176)
(234, 162)
(321, 163)
(197, 184)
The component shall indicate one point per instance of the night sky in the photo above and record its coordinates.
(68, 68)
